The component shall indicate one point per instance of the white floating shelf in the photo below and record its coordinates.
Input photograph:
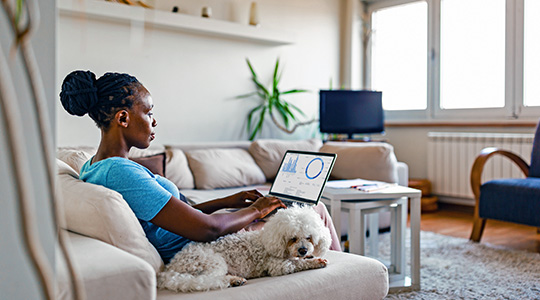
(173, 21)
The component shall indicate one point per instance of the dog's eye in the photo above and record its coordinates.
(309, 238)
(293, 240)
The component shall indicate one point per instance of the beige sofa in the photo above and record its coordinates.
(116, 261)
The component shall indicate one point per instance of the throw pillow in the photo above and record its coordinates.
(268, 153)
(154, 163)
(371, 161)
(95, 211)
(178, 169)
(221, 168)
(75, 157)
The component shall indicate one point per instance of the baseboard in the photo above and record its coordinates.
(458, 201)
(456, 207)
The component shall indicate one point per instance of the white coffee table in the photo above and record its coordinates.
(393, 199)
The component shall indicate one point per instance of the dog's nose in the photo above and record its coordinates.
(302, 251)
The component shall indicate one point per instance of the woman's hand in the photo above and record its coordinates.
(266, 205)
(242, 199)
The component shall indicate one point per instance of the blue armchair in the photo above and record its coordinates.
(514, 200)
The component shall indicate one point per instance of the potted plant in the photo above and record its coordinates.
(271, 104)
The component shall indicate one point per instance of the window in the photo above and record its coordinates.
(472, 54)
(456, 59)
(399, 60)
(531, 57)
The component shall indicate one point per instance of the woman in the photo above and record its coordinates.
(122, 109)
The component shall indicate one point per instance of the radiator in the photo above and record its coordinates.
(452, 154)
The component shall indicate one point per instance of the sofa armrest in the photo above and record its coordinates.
(403, 174)
(107, 272)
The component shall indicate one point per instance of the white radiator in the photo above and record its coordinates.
(452, 154)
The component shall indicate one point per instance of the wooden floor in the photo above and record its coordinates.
(454, 220)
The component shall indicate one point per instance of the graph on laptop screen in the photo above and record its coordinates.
(302, 175)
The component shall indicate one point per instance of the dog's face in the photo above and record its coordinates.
(296, 233)
(300, 247)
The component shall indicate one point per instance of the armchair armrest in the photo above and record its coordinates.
(482, 158)
(476, 178)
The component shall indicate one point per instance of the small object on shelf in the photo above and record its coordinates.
(253, 14)
(206, 12)
(180, 22)
(144, 4)
(175, 9)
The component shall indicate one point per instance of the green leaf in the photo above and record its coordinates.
(18, 10)
(255, 79)
(275, 77)
(250, 116)
(294, 91)
(246, 95)
(288, 110)
(279, 76)
(297, 109)
(259, 125)
(284, 115)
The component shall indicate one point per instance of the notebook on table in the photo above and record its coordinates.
(301, 177)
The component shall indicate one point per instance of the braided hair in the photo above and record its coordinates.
(101, 98)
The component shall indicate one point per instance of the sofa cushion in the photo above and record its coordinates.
(152, 150)
(221, 168)
(154, 163)
(371, 160)
(347, 276)
(268, 152)
(101, 213)
(178, 169)
(75, 157)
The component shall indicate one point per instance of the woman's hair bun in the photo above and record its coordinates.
(79, 92)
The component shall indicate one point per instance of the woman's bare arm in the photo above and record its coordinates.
(238, 200)
(182, 219)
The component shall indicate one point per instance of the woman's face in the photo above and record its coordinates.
(141, 126)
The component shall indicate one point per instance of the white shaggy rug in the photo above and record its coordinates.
(454, 268)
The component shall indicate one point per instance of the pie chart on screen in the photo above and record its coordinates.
(314, 168)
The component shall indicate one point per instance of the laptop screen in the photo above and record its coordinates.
(302, 175)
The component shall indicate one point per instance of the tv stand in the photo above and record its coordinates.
(362, 139)
(350, 138)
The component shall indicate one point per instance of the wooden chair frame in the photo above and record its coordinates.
(476, 181)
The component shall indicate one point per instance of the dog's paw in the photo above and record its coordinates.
(237, 281)
(320, 262)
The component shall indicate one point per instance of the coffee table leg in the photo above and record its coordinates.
(356, 232)
(415, 242)
(373, 234)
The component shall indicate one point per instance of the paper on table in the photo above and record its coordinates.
(359, 184)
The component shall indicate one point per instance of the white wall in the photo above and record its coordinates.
(193, 78)
(17, 277)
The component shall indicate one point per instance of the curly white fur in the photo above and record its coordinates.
(292, 240)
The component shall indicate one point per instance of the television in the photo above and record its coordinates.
(351, 112)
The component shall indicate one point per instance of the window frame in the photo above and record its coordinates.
(514, 38)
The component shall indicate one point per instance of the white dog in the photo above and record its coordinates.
(292, 240)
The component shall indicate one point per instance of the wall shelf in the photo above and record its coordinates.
(172, 21)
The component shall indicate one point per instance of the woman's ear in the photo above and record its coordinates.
(122, 118)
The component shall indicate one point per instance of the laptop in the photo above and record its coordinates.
(301, 177)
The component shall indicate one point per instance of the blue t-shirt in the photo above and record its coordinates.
(145, 193)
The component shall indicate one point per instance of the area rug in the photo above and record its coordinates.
(455, 268)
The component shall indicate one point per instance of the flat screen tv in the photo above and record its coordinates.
(350, 112)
